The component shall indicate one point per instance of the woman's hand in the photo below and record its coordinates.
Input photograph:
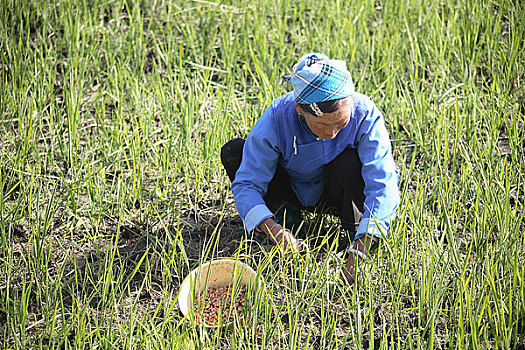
(356, 258)
(278, 234)
(351, 268)
(289, 240)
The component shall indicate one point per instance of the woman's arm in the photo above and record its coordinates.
(259, 161)
(379, 172)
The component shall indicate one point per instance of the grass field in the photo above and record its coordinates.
(112, 115)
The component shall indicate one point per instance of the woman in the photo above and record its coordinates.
(322, 144)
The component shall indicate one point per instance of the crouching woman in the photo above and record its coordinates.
(323, 145)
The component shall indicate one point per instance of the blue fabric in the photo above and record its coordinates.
(281, 136)
(316, 78)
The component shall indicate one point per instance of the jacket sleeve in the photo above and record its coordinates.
(379, 172)
(259, 162)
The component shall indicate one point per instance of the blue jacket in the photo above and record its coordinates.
(281, 136)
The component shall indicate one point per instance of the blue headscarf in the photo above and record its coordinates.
(316, 78)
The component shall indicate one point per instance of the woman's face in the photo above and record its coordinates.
(328, 125)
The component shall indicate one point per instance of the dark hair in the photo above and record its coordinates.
(325, 107)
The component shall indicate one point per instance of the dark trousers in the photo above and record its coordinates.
(343, 192)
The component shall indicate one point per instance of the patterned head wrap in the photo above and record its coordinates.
(316, 78)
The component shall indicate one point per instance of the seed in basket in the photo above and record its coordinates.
(217, 300)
